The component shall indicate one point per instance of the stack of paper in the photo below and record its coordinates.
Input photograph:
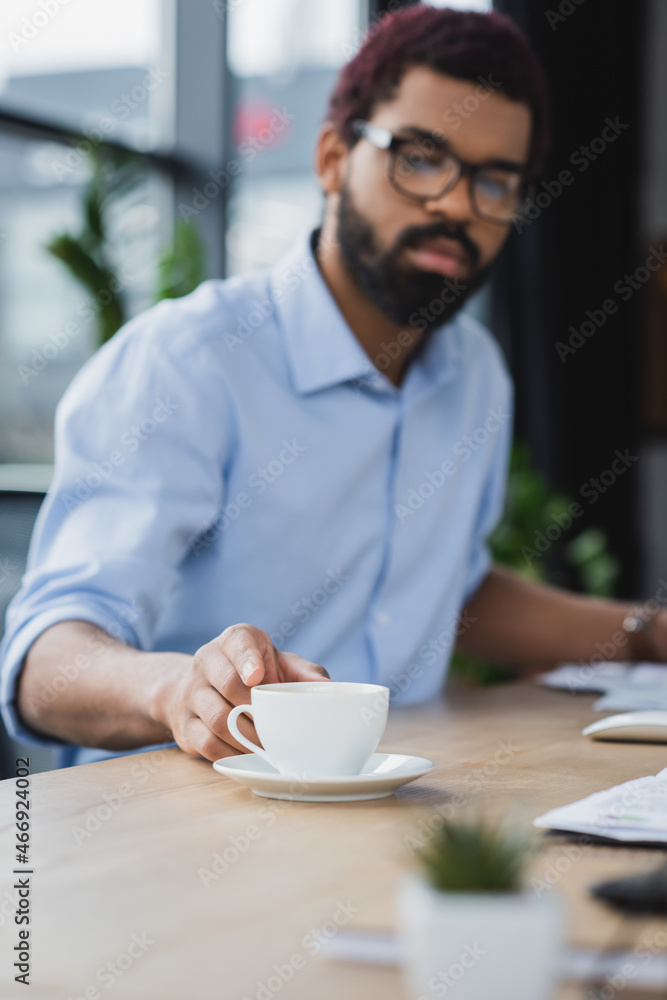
(624, 686)
(585, 677)
(635, 811)
(644, 687)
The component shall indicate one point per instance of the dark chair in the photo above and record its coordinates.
(18, 510)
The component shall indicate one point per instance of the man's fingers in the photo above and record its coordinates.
(213, 710)
(198, 739)
(293, 667)
(221, 674)
(251, 652)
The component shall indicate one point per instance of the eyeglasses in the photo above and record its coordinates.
(424, 167)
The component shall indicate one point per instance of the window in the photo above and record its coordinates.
(80, 63)
(47, 327)
(72, 67)
(284, 55)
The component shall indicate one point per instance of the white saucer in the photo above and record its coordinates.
(382, 775)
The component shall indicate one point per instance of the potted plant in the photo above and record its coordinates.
(468, 927)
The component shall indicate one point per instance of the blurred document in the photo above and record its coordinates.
(634, 811)
(624, 686)
(585, 677)
(644, 687)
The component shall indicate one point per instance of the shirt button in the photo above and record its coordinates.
(382, 618)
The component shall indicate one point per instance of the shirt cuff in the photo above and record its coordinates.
(14, 655)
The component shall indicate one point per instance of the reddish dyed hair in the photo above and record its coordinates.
(463, 44)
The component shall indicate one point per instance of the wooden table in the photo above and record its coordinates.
(131, 877)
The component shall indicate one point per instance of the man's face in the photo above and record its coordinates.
(401, 251)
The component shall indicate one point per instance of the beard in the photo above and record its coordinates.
(398, 291)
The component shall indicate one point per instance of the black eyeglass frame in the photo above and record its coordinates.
(383, 138)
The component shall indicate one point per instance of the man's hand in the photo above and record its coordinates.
(221, 676)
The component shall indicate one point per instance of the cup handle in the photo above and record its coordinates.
(234, 730)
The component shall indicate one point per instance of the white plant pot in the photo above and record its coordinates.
(479, 946)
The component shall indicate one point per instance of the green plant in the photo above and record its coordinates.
(87, 255)
(475, 856)
(530, 508)
(181, 268)
(596, 566)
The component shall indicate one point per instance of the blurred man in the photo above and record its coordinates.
(309, 458)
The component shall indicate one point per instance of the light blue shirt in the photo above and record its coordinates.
(234, 456)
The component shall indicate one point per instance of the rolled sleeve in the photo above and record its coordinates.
(141, 439)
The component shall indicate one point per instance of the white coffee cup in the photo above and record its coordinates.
(315, 729)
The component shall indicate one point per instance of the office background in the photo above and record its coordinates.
(220, 100)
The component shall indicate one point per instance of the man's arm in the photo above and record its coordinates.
(121, 698)
(522, 621)
(142, 439)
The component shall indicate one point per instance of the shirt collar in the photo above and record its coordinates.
(322, 350)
